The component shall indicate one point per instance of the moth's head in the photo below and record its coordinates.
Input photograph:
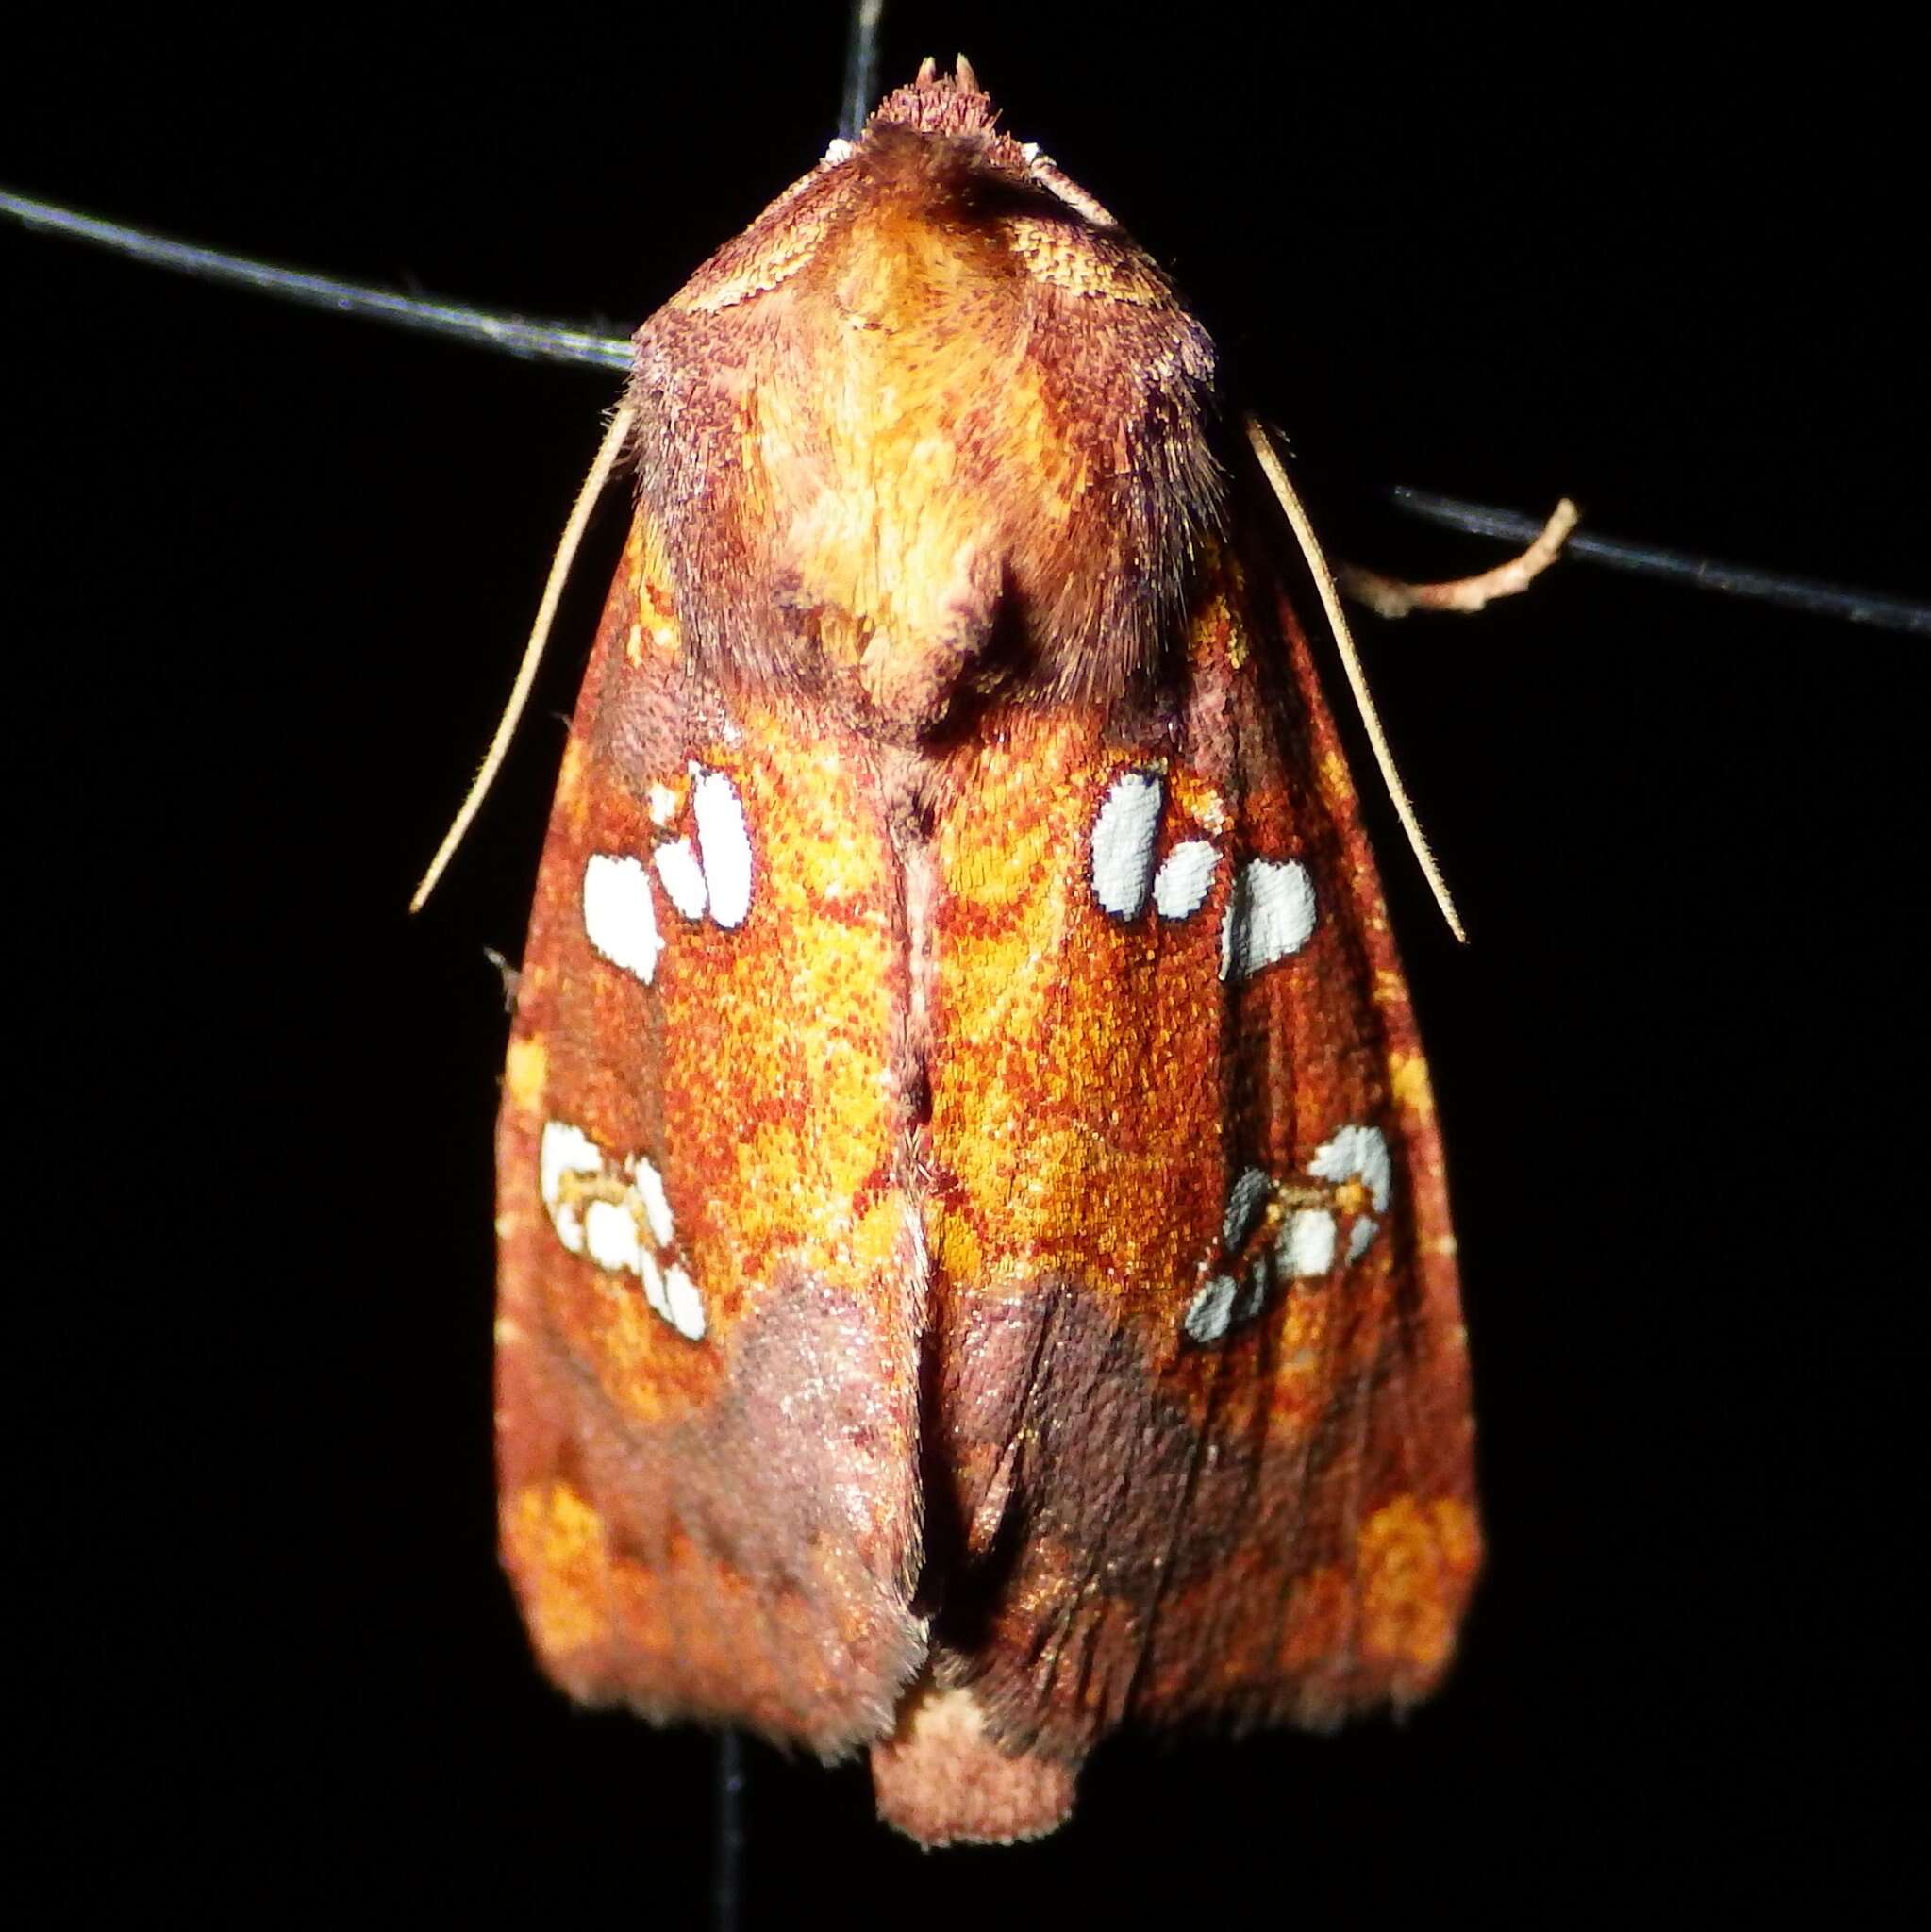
(931, 171)
(939, 102)
(945, 127)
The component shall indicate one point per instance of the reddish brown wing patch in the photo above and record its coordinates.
(1203, 1400)
(705, 1388)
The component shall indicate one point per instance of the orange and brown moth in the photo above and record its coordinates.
(976, 1259)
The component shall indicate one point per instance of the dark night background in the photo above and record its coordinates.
(269, 574)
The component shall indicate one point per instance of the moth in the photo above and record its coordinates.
(976, 1261)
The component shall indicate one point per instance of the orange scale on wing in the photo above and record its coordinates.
(1075, 1103)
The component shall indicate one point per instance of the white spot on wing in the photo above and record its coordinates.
(1360, 1235)
(654, 1283)
(1306, 1244)
(563, 1150)
(619, 914)
(686, 1306)
(1212, 1309)
(610, 1232)
(1357, 1154)
(724, 843)
(1185, 878)
(663, 804)
(682, 877)
(649, 1184)
(1270, 915)
(1123, 844)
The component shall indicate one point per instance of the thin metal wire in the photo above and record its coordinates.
(539, 341)
(728, 1849)
(861, 67)
(525, 337)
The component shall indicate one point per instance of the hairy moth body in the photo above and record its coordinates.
(976, 1261)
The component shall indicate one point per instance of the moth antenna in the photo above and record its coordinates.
(1351, 662)
(615, 437)
(1395, 597)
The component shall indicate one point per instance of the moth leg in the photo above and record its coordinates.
(1395, 597)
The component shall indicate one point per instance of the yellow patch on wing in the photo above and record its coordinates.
(571, 795)
(1415, 1560)
(554, 1542)
(656, 612)
(1336, 780)
(1407, 1080)
(525, 1074)
(1196, 799)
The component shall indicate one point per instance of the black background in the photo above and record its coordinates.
(268, 572)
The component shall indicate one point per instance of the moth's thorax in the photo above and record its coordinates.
(955, 423)
(914, 459)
